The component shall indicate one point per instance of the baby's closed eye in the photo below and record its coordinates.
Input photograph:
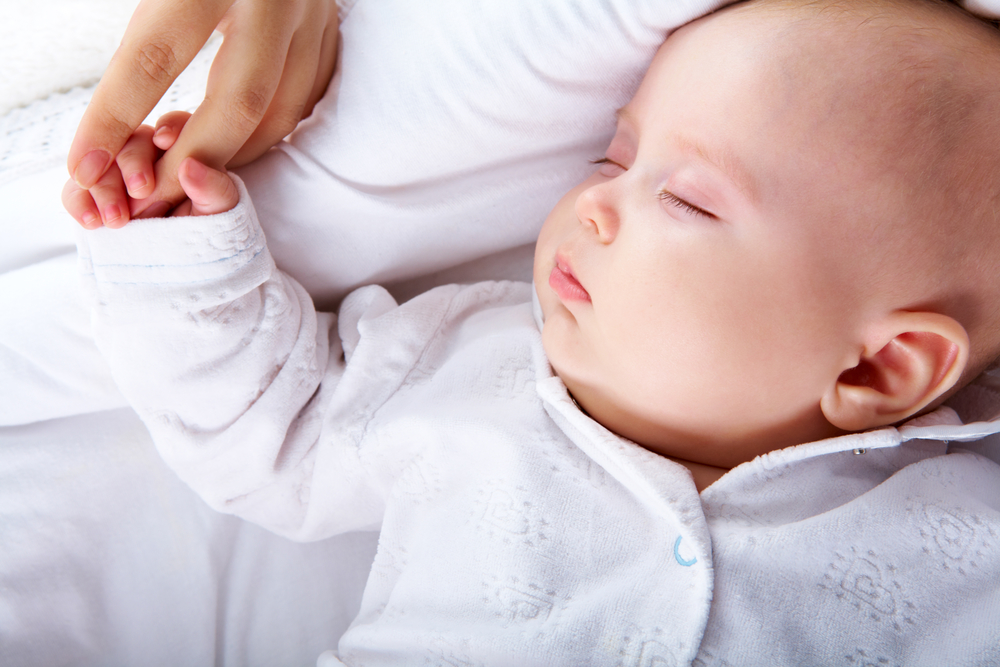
(675, 201)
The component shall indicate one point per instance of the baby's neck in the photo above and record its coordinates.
(704, 475)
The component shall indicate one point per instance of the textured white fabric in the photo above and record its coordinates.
(55, 45)
(108, 559)
(514, 529)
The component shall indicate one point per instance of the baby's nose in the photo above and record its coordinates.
(596, 207)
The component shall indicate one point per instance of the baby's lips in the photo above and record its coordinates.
(565, 284)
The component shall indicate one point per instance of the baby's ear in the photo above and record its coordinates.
(908, 362)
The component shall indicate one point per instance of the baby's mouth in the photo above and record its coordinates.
(564, 283)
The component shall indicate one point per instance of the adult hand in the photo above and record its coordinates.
(274, 65)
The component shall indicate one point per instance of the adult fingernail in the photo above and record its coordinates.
(91, 168)
(157, 210)
(136, 182)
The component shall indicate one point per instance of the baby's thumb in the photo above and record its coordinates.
(210, 191)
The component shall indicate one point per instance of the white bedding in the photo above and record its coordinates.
(105, 558)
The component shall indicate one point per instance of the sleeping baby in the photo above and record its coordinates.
(791, 239)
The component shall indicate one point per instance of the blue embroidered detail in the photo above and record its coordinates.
(679, 558)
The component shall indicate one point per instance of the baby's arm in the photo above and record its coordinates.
(229, 365)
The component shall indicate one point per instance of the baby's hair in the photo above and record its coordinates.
(935, 68)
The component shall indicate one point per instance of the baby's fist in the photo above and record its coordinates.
(209, 191)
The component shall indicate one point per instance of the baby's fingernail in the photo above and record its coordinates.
(196, 170)
(161, 133)
(157, 210)
(113, 216)
(136, 182)
(90, 220)
(91, 168)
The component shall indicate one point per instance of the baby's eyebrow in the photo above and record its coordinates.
(722, 159)
(726, 161)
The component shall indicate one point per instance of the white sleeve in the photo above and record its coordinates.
(224, 358)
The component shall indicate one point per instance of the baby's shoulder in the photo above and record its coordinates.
(438, 323)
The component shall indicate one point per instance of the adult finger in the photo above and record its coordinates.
(291, 101)
(241, 84)
(328, 63)
(162, 37)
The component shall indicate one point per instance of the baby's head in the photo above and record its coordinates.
(793, 234)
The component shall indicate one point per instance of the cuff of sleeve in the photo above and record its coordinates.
(178, 252)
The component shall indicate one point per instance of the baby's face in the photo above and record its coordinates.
(697, 287)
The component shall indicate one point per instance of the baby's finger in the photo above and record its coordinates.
(168, 128)
(110, 198)
(184, 208)
(80, 205)
(210, 191)
(135, 161)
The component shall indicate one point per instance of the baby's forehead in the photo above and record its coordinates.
(868, 32)
(894, 76)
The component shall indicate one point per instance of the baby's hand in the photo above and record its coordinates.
(120, 192)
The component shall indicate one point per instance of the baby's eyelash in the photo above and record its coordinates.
(674, 200)
(665, 195)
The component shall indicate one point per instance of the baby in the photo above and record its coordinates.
(791, 237)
